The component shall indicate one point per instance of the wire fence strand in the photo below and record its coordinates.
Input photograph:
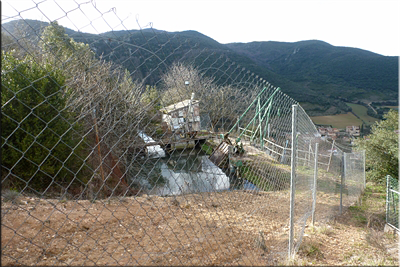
(142, 147)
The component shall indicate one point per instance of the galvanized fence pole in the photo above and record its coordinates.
(330, 156)
(387, 197)
(315, 184)
(342, 181)
(365, 183)
(293, 179)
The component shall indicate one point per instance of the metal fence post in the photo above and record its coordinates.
(387, 197)
(342, 181)
(292, 178)
(284, 152)
(330, 156)
(365, 184)
(315, 183)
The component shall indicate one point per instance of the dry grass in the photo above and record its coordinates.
(355, 238)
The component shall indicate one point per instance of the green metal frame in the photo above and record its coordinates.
(266, 107)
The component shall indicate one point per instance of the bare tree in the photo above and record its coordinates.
(181, 81)
(215, 100)
(227, 102)
(105, 100)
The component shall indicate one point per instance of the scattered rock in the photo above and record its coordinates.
(175, 202)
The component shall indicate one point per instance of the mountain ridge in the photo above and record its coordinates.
(310, 71)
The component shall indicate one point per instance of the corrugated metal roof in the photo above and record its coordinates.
(178, 105)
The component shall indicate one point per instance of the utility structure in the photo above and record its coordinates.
(260, 121)
(182, 117)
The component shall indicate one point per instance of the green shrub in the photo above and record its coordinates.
(382, 148)
(39, 142)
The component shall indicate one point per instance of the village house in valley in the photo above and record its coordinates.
(353, 130)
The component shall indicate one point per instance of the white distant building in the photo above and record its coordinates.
(353, 130)
(328, 131)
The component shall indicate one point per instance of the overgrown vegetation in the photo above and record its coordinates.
(68, 110)
(40, 144)
(382, 148)
(57, 107)
(207, 148)
(356, 237)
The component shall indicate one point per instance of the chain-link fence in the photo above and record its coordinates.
(153, 148)
(353, 181)
(392, 202)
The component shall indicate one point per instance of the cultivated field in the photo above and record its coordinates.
(338, 121)
(361, 111)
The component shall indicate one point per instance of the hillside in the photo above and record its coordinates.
(320, 76)
(344, 72)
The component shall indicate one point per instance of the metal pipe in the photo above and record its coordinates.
(292, 179)
(330, 157)
(267, 122)
(255, 116)
(387, 197)
(266, 112)
(259, 94)
(342, 182)
(315, 183)
(365, 184)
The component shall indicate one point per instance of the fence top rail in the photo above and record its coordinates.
(395, 191)
(394, 227)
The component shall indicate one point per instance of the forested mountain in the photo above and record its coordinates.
(338, 71)
(318, 75)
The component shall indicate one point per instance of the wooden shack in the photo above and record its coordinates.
(182, 117)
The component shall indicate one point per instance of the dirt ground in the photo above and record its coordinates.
(219, 228)
(225, 228)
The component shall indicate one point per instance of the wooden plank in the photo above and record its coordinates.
(171, 142)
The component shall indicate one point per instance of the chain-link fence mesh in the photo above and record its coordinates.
(305, 136)
(392, 202)
(353, 178)
(330, 159)
(147, 148)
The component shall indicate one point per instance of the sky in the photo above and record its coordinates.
(369, 25)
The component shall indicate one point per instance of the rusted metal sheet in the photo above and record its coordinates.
(220, 154)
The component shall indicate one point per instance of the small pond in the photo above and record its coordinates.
(182, 172)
